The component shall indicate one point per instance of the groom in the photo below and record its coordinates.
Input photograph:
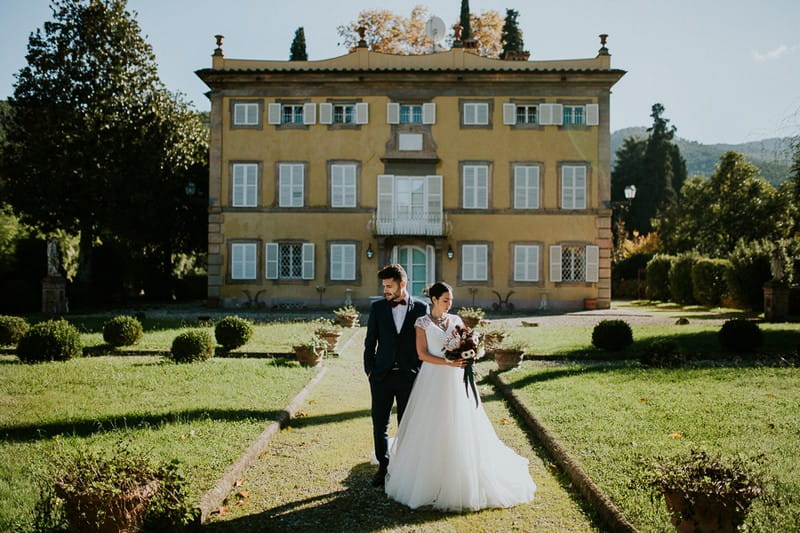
(390, 356)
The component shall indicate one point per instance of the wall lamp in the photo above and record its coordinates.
(370, 253)
(450, 253)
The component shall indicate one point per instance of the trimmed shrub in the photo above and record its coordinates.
(53, 340)
(232, 332)
(612, 335)
(625, 275)
(12, 328)
(190, 346)
(122, 331)
(663, 353)
(749, 270)
(680, 279)
(740, 335)
(658, 277)
(708, 280)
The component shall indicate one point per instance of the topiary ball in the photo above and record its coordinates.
(232, 332)
(122, 331)
(612, 335)
(53, 340)
(12, 328)
(739, 335)
(193, 345)
(664, 353)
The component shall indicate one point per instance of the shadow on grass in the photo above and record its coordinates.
(357, 507)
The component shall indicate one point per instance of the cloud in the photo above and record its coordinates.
(774, 54)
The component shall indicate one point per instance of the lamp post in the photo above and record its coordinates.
(618, 224)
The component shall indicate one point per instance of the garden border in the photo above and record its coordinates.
(610, 514)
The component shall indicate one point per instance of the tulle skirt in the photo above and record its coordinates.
(446, 453)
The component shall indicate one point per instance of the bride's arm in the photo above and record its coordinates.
(425, 355)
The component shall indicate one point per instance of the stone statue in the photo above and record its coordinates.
(776, 266)
(53, 263)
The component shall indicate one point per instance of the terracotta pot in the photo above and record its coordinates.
(110, 514)
(332, 339)
(348, 321)
(308, 356)
(700, 513)
(590, 303)
(470, 321)
(507, 359)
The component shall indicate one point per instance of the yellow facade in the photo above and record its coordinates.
(308, 212)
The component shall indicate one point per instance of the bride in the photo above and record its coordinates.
(446, 453)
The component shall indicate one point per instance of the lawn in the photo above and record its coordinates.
(615, 418)
(203, 414)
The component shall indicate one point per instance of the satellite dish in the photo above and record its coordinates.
(434, 29)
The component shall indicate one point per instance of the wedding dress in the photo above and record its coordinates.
(446, 453)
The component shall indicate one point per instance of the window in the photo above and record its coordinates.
(526, 262)
(409, 205)
(243, 260)
(526, 114)
(474, 262)
(410, 114)
(526, 187)
(574, 115)
(344, 114)
(245, 185)
(574, 263)
(246, 113)
(291, 185)
(573, 187)
(475, 114)
(343, 185)
(343, 262)
(291, 260)
(476, 186)
(292, 114)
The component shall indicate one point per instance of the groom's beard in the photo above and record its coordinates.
(393, 295)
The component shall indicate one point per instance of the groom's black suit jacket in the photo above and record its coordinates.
(384, 346)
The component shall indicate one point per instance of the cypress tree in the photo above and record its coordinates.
(466, 30)
(511, 36)
(298, 49)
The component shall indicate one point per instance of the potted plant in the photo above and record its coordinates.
(311, 351)
(471, 316)
(508, 354)
(705, 493)
(493, 336)
(330, 333)
(347, 316)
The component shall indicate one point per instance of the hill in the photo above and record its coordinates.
(773, 156)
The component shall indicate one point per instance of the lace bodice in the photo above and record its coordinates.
(436, 335)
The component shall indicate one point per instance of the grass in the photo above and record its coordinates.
(614, 419)
(203, 414)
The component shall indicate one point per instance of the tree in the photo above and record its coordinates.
(298, 50)
(96, 145)
(511, 34)
(389, 33)
(735, 204)
(465, 20)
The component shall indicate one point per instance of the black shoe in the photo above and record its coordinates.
(379, 478)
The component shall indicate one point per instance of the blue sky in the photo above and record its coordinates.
(727, 72)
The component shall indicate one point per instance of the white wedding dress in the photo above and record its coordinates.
(446, 453)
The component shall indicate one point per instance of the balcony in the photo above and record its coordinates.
(434, 225)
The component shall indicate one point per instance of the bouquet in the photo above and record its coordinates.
(465, 344)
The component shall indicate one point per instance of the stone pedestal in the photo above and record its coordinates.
(776, 301)
(54, 295)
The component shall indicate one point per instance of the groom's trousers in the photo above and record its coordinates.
(396, 386)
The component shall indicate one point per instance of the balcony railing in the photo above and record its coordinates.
(432, 224)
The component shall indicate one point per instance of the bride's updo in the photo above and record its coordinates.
(437, 289)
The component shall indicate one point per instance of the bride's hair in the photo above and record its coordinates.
(437, 289)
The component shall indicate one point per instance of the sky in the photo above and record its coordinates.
(726, 72)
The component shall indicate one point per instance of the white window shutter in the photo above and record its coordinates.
(533, 259)
(393, 113)
(558, 114)
(509, 113)
(385, 198)
(429, 113)
(310, 113)
(592, 263)
(545, 114)
(394, 254)
(271, 262)
(362, 113)
(326, 113)
(274, 113)
(555, 263)
(308, 260)
(592, 115)
(433, 190)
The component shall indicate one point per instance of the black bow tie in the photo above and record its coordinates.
(395, 303)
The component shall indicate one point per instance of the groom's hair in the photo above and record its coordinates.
(393, 271)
